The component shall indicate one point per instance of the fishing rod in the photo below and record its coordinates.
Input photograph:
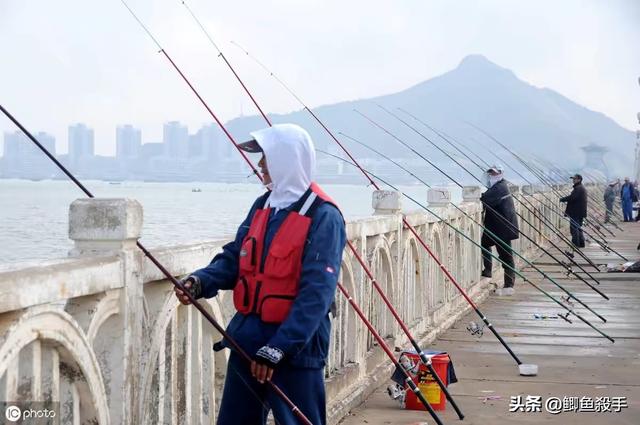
(553, 227)
(597, 225)
(420, 396)
(560, 215)
(523, 368)
(426, 360)
(594, 226)
(596, 201)
(550, 225)
(418, 203)
(536, 268)
(546, 221)
(603, 245)
(592, 219)
(529, 206)
(166, 273)
(564, 265)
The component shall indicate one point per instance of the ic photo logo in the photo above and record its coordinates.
(31, 412)
(13, 413)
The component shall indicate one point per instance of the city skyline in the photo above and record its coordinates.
(180, 156)
(175, 157)
(127, 134)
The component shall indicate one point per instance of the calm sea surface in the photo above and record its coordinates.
(34, 215)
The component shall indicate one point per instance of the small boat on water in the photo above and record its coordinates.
(196, 189)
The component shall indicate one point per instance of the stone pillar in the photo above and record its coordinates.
(386, 202)
(438, 197)
(438, 200)
(103, 226)
(471, 193)
(112, 227)
(529, 189)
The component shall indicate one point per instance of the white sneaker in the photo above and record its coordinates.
(505, 292)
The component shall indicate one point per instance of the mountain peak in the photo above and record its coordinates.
(480, 64)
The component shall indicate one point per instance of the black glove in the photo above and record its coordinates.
(195, 289)
(269, 356)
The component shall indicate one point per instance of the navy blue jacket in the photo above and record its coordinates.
(304, 335)
(500, 218)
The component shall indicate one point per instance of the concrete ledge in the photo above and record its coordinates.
(58, 282)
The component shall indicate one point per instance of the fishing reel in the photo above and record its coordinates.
(567, 299)
(565, 317)
(475, 329)
(408, 365)
(569, 270)
(396, 392)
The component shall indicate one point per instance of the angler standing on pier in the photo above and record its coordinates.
(283, 268)
(500, 219)
(576, 210)
(627, 197)
(609, 200)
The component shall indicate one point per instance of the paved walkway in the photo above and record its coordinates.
(574, 361)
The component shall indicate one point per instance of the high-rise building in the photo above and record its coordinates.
(22, 159)
(128, 142)
(176, 140)
(12, 145)
(81, 143)
(211, 143)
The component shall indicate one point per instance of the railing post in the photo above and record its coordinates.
(386, 202)
(112, 227)
(439, 197)
(471, 193)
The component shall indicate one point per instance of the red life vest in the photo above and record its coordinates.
(269, 287)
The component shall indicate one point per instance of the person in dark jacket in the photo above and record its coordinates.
(283, 268)
(502, 225)
(576, 210)
(627, 198)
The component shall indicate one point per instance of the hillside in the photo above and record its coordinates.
(529, 119)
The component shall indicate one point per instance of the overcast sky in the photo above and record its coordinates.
(68, 61)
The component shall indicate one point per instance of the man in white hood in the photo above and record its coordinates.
(283, 268)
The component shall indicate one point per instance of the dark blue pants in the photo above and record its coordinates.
(627, 209)
(247, 402)
(575, 227)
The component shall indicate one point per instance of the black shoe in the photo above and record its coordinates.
(569, 254)
(486, 273)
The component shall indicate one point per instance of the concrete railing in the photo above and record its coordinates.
(102, 334)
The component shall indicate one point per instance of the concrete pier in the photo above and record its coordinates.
(573, 360)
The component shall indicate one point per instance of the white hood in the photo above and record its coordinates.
(291, 160)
